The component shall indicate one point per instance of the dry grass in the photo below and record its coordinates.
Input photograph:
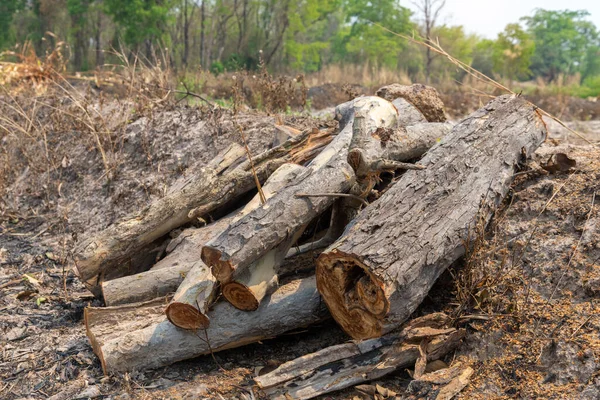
(44, 113)
(528, 287)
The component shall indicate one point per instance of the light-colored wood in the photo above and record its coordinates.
(138, 341)
(115, 251)
(344, 365)
(389, 257)
(269, 225)
(198, 290)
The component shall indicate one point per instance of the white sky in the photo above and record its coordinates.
(489, 17)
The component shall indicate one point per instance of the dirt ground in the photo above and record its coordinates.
(527, 291)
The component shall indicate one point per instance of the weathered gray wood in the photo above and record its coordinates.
(198, 290)
(407, 113)
(166, 275)
(425, 98)
(388, 258)
(125, 344)
(344, 365)
(111, 253)
(269, 225)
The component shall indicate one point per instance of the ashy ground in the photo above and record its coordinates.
(528, 290)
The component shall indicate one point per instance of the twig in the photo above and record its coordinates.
(192, 94)
(352, 196)
(263, 199)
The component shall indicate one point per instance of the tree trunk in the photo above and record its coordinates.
(388, 258)
(266, 227)
(111, 253)
(131, 337)
(198, 290)
(344, 365)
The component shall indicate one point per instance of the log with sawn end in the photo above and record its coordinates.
(146, 339)
(387, 260)
(112, 252)
(198, 290)
(263, 229)
(344, 365)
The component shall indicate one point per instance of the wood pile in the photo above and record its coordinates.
(389, 237)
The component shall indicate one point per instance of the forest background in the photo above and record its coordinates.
(556, 50)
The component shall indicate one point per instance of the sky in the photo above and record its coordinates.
(489, 17)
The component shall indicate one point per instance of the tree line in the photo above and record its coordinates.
(300, 36)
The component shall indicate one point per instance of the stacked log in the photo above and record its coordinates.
(381, 260)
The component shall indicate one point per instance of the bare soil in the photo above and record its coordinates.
(527, 291)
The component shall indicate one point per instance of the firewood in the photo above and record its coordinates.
(198, 290)
(269, 225)
(388, 258)
(113, 252)
(134, 337)
(344, 365)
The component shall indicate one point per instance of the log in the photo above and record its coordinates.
(388, 258)
(344, 365)
(407, 113)
(269, 225)
(166, 275)
(247, 289)
(111, 253)
(127, 342)
(198, 290)
(424, 98)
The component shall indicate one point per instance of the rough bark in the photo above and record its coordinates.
(269, 225)
(425, 98)
(388, 258)
(344, 365)
(111, 253)
(127, 341)
(198, 290)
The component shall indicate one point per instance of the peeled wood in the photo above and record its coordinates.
(269, 225)
(165, 276)
(111, 253)
(198, 290)
(387, 260)
(341, 366)
(247, 289)
(127, 342)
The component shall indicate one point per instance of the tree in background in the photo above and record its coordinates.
(429, 11)
(142, 22)
(512, 52)
(8, 8)
(360, 41)
(562, 40)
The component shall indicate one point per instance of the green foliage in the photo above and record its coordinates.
(562, 39)
(512, 52)
(362, 41)
(217, 67)
(8, 8)
(140, 20)
(483, 56)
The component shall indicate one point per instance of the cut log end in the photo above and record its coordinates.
(240, 296)
(222, 270)
(186, 316)
(354, 296)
